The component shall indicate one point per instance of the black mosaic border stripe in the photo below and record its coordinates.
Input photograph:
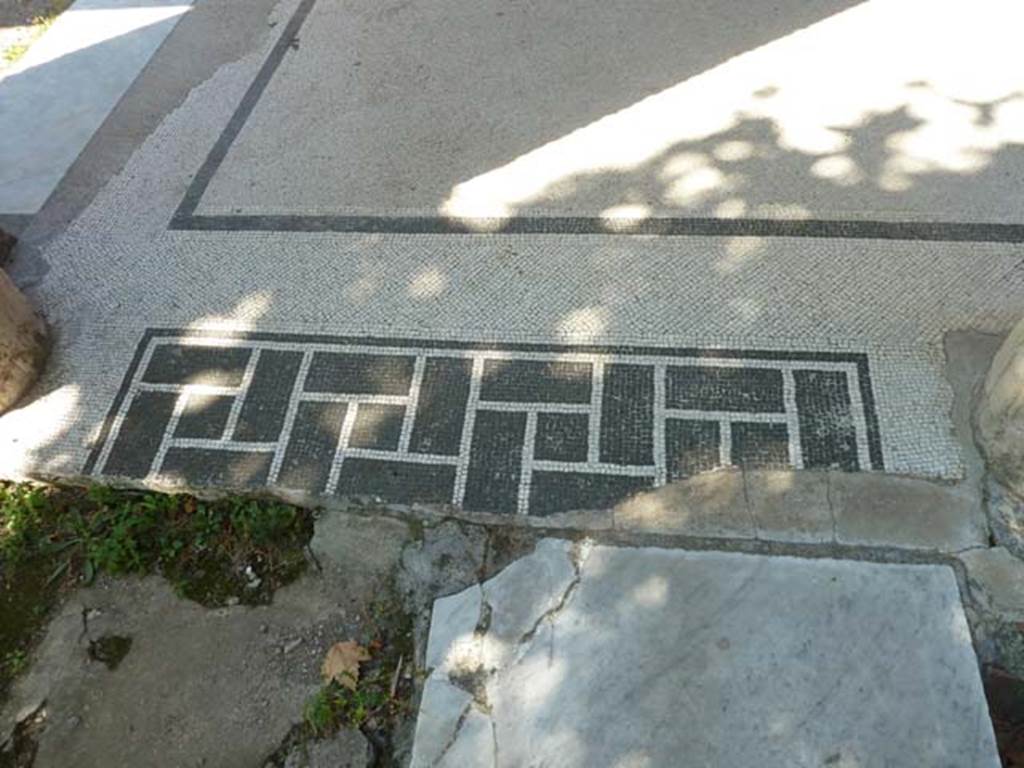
(185, 217)
(859, 359)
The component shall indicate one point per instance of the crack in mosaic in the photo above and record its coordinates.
(505, 428)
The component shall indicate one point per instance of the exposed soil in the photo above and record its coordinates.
(1005, 695)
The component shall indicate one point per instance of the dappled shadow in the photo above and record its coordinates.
(747, 171)
(411, 100)
(642, 656)
(727, 139)
(55, 97)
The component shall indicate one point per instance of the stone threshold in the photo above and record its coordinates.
(836, 513)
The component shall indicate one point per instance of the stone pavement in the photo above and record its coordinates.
(580, 655)
(687, 271)
(59, 93)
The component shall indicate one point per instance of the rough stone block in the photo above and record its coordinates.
(710, 504)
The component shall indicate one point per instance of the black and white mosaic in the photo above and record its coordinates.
(506, 428)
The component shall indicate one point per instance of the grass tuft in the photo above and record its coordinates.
(233, 550)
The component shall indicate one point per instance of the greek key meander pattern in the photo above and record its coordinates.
(508, 428)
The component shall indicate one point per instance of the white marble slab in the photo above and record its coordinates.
(653, 657)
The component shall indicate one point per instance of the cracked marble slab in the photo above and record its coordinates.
(580, 655)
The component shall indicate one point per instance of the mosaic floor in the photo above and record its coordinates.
(626, 162)
(512, 428)
(333, 271)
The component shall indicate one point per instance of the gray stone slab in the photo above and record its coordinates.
(651, 657)
(709, 504)
(791, 506)
(996, 577)
(60, 92)
(896, 511)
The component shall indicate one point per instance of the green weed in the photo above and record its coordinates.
(215, 552)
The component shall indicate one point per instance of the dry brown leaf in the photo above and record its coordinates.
(341, 663)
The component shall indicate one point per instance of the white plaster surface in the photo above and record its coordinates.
(58, 94)
(665, 657)
(119, 269)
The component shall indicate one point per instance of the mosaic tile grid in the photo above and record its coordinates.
(515, 428)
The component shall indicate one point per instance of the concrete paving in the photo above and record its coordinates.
(596, 656)
(58, 94)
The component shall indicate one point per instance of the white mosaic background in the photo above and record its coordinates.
(118, 270)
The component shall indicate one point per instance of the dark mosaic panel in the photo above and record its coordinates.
(355, 374)
(377, 426)
(441, 411)
(266, 403)
(760, 446)
(401, 482)
(213, 366)
(691, 446)
(561, 437)
(553, 492)
(627, 415)
(536, 381)
(208, 467)
(827, 435)
(700, 388)
(141, 433)
(495, 462)
(204, 417)
(626, 430)
(311, 446)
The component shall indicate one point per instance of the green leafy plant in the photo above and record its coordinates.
(52, 538)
